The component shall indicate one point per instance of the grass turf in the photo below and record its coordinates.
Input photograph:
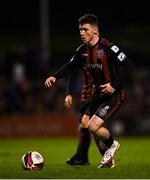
(132, 160)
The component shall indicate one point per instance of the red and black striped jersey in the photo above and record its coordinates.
(104, 62)
(86, 91)
(86, 86)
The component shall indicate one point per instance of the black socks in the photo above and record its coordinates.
(84, 143)
(109, 141)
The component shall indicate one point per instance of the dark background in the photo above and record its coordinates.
(125, 22)
(22, 87)
(24, 15)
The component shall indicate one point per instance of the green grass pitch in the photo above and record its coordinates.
(132, 160)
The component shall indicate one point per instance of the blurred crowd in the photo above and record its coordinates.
(22, 75)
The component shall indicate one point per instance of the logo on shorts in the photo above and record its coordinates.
(103, 111)
(106, 107)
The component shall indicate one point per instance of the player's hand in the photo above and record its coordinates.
(107, 89)
(50, 81)
(68, 101)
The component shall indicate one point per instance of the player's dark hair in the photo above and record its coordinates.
(88, 19)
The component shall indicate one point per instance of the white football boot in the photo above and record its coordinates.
(109, 154)
(110, 164)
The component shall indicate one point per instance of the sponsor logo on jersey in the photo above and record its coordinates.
(93, 66)
(121, 56)
(115, 49)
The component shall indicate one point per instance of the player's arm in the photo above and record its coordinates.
(126, 67)
(62, 72)
(69, 89)
(107, 88)
(50, 81)
(65, 70)
(68, 101)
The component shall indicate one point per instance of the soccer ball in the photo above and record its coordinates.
(32, 160)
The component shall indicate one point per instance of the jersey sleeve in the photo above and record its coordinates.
(68, 68)
(126, 66)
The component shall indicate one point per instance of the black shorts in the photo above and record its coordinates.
(105, 106)
(84, 105)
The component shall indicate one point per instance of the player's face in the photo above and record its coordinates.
(87, 32)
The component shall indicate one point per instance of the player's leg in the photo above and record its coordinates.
(102, 149)
(96, 123)
(101, 146)
(102, 134)
(81, 155)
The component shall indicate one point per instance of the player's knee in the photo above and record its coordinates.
(85, 121)
(93, 128)
(94, 125)
(84, 125)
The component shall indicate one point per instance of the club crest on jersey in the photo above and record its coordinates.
(99, 53)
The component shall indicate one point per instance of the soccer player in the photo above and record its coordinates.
(109, 68)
